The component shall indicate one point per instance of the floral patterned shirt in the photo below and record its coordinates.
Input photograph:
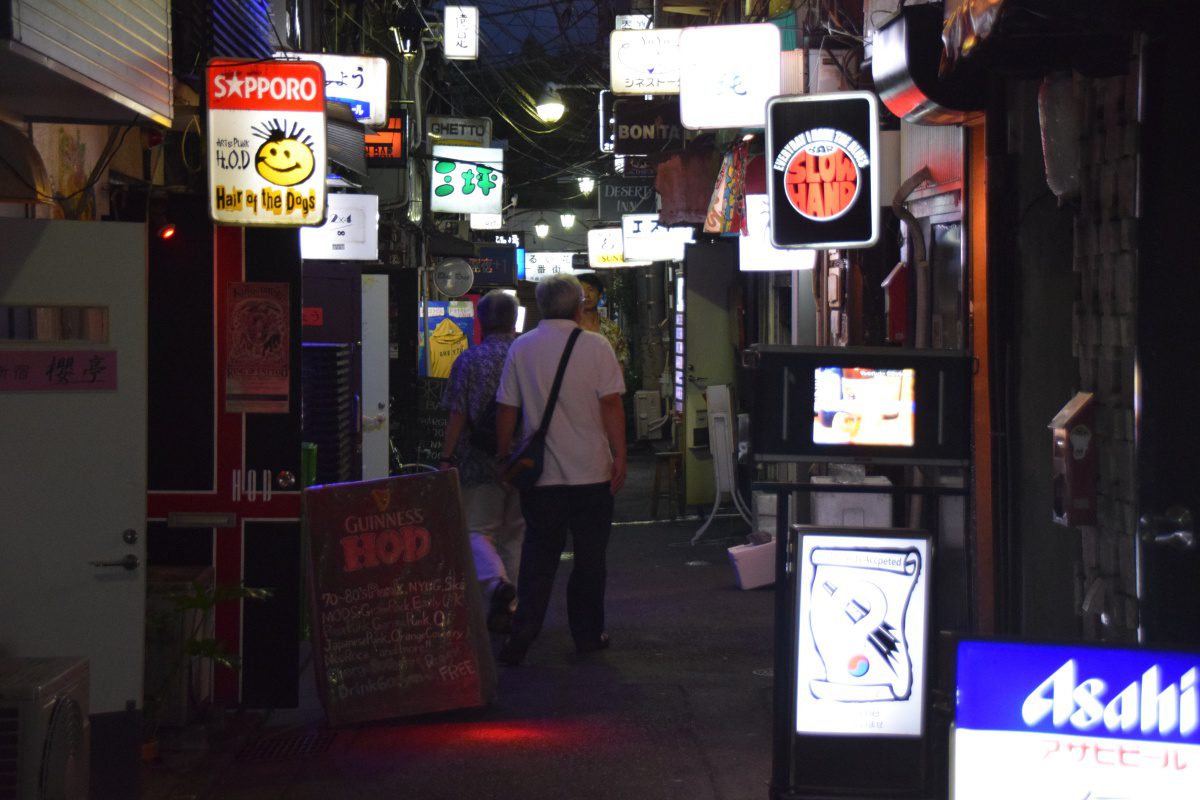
(472, 384)
(612, 331)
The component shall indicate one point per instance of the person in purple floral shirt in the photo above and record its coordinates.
(493, 510)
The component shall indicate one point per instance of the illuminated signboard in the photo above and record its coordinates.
(266, 142)
(606, 249)
(755, 251)
(644, 62)
(862, 600)
(544, 264)
(719, 92)
(822, 175)
(361, 82)
(462, 33)
(467, 180)
(646, 127)
(350, 232)
(1077, 721)
(646, 240)
(388, 147)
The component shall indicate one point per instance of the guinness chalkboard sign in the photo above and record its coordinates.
(398, 625)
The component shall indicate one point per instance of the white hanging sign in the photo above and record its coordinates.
(544, 264)
(360, 82)
(647, 240)
(467, 180)
(756, 253)
(266, 142)
(462, 33)
(350, 232)
(716, 92)
(644, 62)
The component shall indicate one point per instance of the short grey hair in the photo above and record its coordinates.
(559, 296)
(497, 312)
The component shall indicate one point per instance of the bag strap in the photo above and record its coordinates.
(552, 400)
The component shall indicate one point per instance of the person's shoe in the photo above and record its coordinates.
(592, 646)
(500, 610)
(512, 652)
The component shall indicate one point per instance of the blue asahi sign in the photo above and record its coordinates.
(1041, 720)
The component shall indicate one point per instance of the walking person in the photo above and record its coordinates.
(584, 464)
(492, 509)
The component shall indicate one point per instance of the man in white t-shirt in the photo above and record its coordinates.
(584, 465)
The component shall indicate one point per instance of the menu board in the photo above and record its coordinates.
(398, 626)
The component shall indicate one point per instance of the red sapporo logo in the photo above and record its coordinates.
(822, 173)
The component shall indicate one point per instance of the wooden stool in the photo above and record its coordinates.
(666, 470)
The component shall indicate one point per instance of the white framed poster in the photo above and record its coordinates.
(862, 600)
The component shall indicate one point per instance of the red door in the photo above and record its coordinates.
(224, 470)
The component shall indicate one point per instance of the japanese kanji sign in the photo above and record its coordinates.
(716, 92)
(647, 240)
(266, 142)
(467, 180)
(1087, 721)
(58, 370)
(822, 175)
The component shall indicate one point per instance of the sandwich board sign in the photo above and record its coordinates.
(266, 142)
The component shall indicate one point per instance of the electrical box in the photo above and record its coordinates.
(647, 410)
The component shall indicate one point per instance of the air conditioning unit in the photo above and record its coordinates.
(44, 729)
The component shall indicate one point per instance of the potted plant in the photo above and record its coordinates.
(181, 648)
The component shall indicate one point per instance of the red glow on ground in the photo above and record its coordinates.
(534, 734)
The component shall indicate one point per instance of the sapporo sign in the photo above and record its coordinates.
(822, 176)
(266, 142)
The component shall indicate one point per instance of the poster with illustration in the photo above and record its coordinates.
(450, 331)
(862, 602)
(257, 346)
(266, 142)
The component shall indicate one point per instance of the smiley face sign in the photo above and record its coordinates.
(266, 142)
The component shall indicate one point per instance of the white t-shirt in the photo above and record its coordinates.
(577, 450)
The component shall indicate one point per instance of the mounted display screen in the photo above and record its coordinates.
(859, 404)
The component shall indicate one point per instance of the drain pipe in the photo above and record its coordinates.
(916, 477)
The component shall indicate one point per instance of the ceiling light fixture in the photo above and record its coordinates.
(541, 227)
(567, 219)
(550, 106)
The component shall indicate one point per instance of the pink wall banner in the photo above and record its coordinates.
(58, 370)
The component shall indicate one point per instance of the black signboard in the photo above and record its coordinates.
(514, 238)
(398, 624)
(645, 127)
(619, 196)
(495, 267)
(822, 175)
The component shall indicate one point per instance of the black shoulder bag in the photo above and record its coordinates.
(524, 466)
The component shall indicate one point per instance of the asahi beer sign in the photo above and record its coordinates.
(644, 127)
(1075, 721)
(822, 177)
(620, 196)
(266, 142)
(862, 602)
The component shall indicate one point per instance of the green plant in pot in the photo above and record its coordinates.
(180, 645)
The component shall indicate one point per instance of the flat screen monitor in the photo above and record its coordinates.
(886, 405)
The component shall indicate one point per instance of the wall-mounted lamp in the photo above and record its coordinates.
(550, 106)
(586, 184)
(167, 231)
(567, 219)
(541, 227)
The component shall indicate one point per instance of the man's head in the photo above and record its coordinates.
(497, 312)
(593, 289)
(559, 297)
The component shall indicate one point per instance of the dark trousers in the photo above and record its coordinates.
(550, 514)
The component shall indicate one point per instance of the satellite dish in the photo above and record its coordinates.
(453, 277)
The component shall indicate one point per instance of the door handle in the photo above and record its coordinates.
(129, 562)
(1173, 528)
